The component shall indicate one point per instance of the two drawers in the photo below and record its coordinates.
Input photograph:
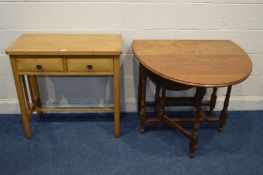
(88, 65)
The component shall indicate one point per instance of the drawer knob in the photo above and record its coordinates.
(39, 67)
(89, 67)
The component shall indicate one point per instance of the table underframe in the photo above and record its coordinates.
(29, 96)
(161, 101)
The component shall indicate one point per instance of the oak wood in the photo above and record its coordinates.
(176, 126)
(21, 99)
(92, 109)
(31, 93)
(66, 44)
(212, 103)
(116, 84)
(44, 64)
(34, 55)
(26, 95)
(224, 112)
(88, 73)
(142, 97)
(97, 64)
(156, 120)
(203, 63)
(200, 93)
(36, 94)
(180, 101)
(182, 65)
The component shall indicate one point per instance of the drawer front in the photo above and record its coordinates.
(40, 64)
(90, 64)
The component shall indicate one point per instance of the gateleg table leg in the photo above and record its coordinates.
(157, 100)
(139, 91)
(142, 97)
(162, 104)
(224, 112)
(116, 79)
(200, 92)
(213, 101)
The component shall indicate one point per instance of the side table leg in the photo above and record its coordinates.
(200, 92)
(36, 94)
(213, 101)
(224, 112)
(116, 79)
(22, 101)
(142, 92)
(23, 106)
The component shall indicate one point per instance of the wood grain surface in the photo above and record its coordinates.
(66, 44)
(34, 55)
(202, 63)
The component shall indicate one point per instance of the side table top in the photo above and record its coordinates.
(203, 63)
(66, 44)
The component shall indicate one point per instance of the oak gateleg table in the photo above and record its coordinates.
(184, 64)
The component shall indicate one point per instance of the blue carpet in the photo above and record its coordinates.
(71, 144)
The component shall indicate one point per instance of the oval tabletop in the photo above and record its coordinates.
(202, 63)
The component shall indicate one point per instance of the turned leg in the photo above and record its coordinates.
(200, 92)
(142, 93)
(162, 104)
(224, 112)
(157, 101)
(212, 103)
(139, 90)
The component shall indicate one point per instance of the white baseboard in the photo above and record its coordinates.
(10, 106)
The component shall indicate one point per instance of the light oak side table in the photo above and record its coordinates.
(33, 55)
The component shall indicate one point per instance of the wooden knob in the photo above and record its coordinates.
(39, 67)
(89, 67)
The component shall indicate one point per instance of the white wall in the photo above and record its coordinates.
(238, 20)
